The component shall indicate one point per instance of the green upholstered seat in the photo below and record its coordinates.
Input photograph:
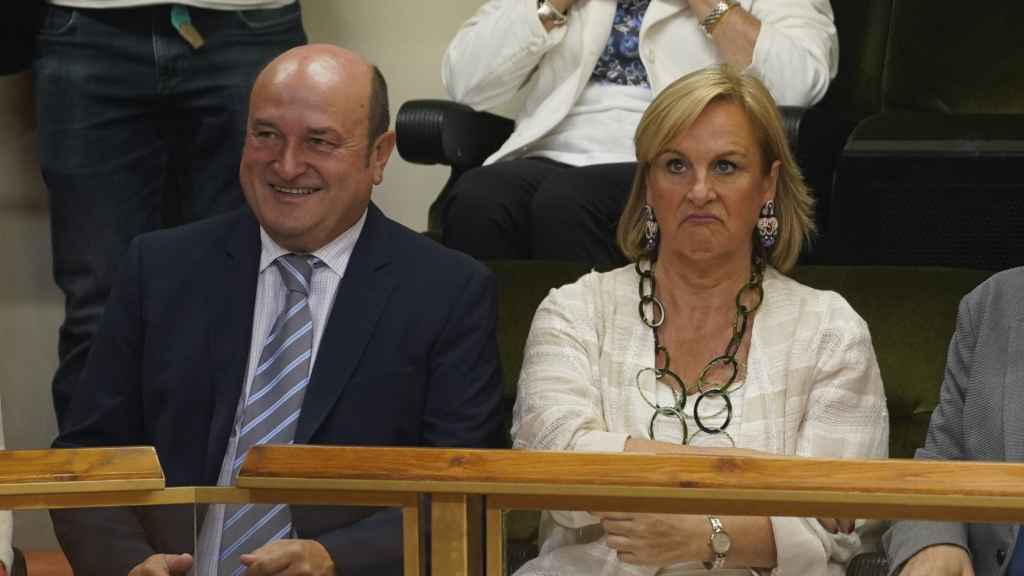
(927, 131)
(911, 313)
(955, 61)
(856, 91)
(934, 177)
(927, 188)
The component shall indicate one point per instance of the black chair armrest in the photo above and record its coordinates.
(816, 138)
(813, 133)
(445, 132)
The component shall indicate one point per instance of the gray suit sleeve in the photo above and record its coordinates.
(944, 441)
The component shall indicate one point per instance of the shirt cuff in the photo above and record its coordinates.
(797, 549)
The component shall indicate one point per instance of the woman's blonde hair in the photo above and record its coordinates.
(675, 110)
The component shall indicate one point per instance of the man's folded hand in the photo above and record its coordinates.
(164, 565)
(289, 558)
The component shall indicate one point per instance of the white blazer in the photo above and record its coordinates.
(503, 50)
(6, 522)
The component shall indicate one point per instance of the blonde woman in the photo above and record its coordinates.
(702, 342)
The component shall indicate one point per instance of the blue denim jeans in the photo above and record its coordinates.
(138, 131)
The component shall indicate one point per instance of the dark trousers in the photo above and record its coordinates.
(137, 131)
(541, 209)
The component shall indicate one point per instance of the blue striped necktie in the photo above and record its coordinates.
(272, 411)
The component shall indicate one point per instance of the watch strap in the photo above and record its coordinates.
(717, 556)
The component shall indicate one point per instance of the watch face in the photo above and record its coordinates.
(721, 543)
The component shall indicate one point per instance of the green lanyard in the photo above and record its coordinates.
(182, 22)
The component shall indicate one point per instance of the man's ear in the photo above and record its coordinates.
(380, 154)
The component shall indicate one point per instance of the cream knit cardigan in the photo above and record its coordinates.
(812, 389)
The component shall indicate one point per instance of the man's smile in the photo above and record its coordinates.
(294, 190)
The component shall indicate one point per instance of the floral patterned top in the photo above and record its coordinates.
(620, 62)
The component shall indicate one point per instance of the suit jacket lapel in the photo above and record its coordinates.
(358, 305)
(1013, 387)
(234, 285)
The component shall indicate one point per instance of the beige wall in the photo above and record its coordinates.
(30, 305)
(406, 38)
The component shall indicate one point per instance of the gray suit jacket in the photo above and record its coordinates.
(980, 416)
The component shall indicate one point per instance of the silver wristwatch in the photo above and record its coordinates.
(548, 13)
(720, 544)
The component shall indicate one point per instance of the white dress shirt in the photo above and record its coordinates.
(270, 300)
(599, 129)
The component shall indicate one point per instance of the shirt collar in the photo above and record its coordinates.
(335, 254)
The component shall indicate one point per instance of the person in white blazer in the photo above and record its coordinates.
(565, 58)
(6, 522)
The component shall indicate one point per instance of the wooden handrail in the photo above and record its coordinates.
(761, 485)
(28, 472)
(464, 481)
(457, 465)
(979, 491)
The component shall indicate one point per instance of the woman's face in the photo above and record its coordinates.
(708, 185)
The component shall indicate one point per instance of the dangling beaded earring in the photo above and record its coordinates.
(650, 230)
(768, 225)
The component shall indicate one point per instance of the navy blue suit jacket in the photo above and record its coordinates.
(408, 357)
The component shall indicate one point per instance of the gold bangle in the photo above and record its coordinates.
(547, 12)
(715, 16)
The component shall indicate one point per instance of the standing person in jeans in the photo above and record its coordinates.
(587, 71)
(141, 111)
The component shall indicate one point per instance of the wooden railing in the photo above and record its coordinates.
(508, 479)
(463, 483)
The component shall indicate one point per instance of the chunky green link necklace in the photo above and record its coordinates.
(652, 313)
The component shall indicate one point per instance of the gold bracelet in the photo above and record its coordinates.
(547, 12)
(711, 20)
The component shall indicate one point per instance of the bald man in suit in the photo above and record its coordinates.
(399, 346)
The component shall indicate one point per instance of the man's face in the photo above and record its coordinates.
(305, 170)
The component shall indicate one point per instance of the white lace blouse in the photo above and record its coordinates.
(812, 388)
